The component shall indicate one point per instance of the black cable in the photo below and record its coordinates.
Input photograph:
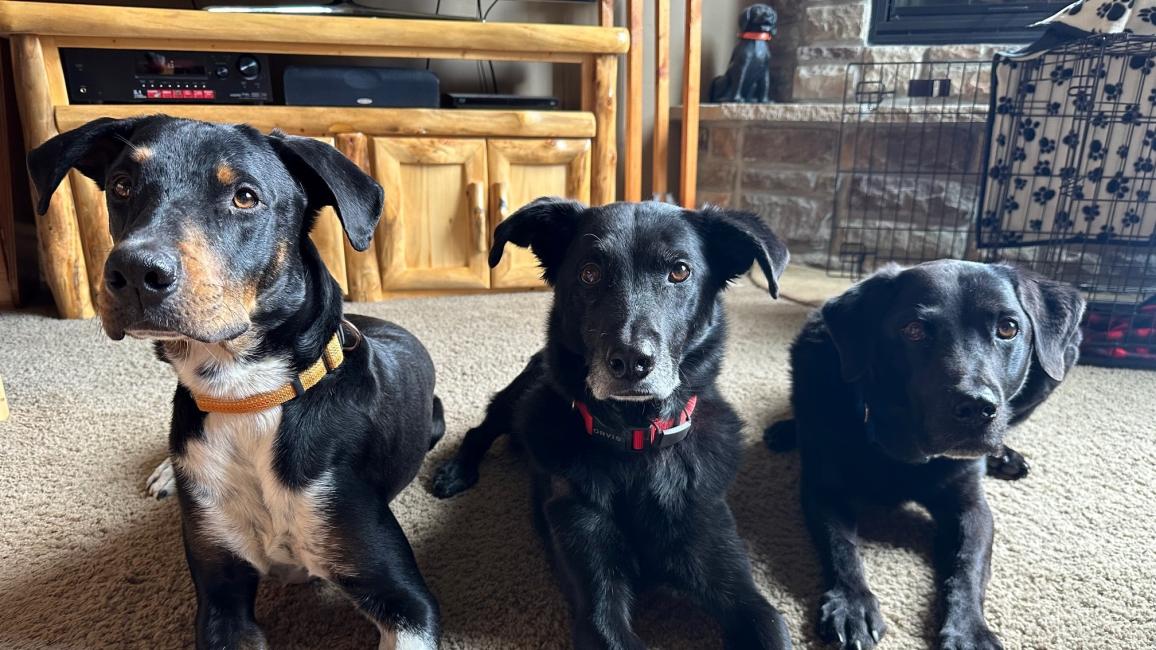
(437, 10)
(483, 15)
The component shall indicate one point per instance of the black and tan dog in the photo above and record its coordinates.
(902, 386)
(632, 447)
(292, 428)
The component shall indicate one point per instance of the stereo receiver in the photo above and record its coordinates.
(99, 76)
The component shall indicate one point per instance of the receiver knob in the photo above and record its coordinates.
(248, 66)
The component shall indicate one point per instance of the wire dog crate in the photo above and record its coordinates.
(910, 163)
(1071, 174)
(1048, 162)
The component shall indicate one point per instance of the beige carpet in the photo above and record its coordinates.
(88, 561)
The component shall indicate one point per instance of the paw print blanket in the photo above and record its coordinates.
(1072, 147)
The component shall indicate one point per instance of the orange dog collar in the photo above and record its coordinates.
(331, 358)
(755, 36)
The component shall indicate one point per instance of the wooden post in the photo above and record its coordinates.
(362, 271)
(605, 163)
(660, 151)
(91, 209)
(691, 73)
(9, 291)
(588, 84)
(92, 222)
(606, 13)
(61, 254)
(329, 239)
(633, 145)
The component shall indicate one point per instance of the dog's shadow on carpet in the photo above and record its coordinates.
(765, 500)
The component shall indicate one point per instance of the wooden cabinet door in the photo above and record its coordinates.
(434, 229)
(521, 171)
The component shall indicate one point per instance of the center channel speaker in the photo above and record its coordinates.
(307, 85)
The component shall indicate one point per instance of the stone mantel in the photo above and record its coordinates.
(824, 113)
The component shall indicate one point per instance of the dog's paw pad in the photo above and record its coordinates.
(161, 482)
(1008, 465)
(452, 478)
(851, 618)
(973, 636)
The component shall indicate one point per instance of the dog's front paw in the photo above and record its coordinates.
(453, 478)
(968, 636)
(852, 618)
(161, 482)
(1008, 465)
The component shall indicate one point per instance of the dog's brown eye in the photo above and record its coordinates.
(1007, 328)
(590, 274)
(914, 331)
(245, 198)
(679, 273)
(122, 187)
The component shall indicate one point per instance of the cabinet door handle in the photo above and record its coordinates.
(477, 198)
(503, 202)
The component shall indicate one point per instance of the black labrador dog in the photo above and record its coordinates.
(748, 75)
(901, 387)
(631, 445)
(293, 427)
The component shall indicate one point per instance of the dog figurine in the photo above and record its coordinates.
(902, 386)
(631, 445)
(293, 427)
(748, 76)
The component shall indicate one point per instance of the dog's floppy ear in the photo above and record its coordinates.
(545, 226)
(329, 178)
(851, 318)
(90, 149)
(736, 240)
(1055, 310)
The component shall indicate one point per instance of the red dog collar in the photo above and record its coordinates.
(755, 36)
(660, 433)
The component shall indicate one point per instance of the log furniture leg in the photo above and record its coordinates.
(9, 291)
(61, 253)
(362, 271)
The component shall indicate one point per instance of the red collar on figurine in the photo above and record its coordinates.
(755, 36)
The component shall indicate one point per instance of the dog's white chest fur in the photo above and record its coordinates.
(229, 472)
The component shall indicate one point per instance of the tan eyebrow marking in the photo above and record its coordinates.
(141, 154)
(225, 174)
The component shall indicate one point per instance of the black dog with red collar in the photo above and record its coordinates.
(635, 335)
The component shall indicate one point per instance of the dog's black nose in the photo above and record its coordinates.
(974, 410)
(144, 268)
(630, 363)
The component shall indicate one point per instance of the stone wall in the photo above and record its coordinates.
(778, 161)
